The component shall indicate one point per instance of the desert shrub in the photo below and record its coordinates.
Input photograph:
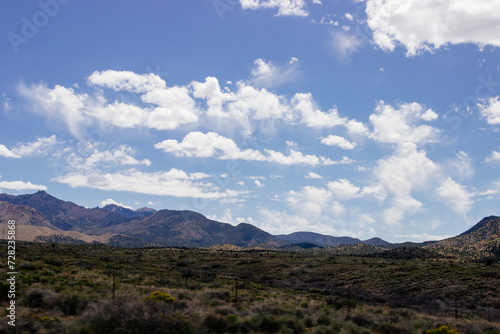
(391, 329)
(130, 315)
(362, 321)
(53, 261)
(215, 323)
(160, 296)
(27, 266)
(323, 320)
(442, 330)
(40, 298)
(293, 326)
(71, 304)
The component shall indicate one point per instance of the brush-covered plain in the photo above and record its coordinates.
(94, 288)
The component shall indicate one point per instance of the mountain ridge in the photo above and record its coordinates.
(49, 218)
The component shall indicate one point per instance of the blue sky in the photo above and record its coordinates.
(360, 118)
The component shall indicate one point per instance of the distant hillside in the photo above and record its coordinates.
(407, 253)
(480, 242)
(66, 215)
(191, 229)
(327, 240)
(23, 215)
(487, 228)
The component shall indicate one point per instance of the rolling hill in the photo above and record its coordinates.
(327, 240)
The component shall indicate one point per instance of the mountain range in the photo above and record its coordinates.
(42, 217)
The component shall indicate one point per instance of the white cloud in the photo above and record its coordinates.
(399, 126)
(306, 111)
(163, 108)
(426, 25)
(58, 104)
(333, 140)
(493, 157)
(296, 157)
(490, 109)
(328, 20)
(278, 222)
(120, 156)
(174, 182)
(349, 16)
(269, 74)
(457, 197)
(40, 146)
(240, 107)
(127, 80)
(5, 152)
(259, 184)
(461, 166)
(112, 201)
(312, 175)
(346, 43)
(405, 172)
(314, 201)
(285, 7)
(197, 144)
(343, 189)
(21, 185)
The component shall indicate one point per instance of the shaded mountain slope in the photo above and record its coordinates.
(327, 240)
(66, 215)
(188, 228)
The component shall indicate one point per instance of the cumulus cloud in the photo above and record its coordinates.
(425, 25)
(494, 157)
(40, 146)
(198, 144)
(461, 166)
(314, 201)
(490, 109)
(400, 125)
(270, 74)
(312, 175)
(5, 152)
(343, 189)
(120, 156)
(127, 80)
(307, 112)
(333, 140)
(21, 185)
(211, 144)
(174, 182)
(112, 201)
(157, 106)
(58, 104)
(346, 43)
(457, 197)
(285, 7)
(399, 176)
(163, 108)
